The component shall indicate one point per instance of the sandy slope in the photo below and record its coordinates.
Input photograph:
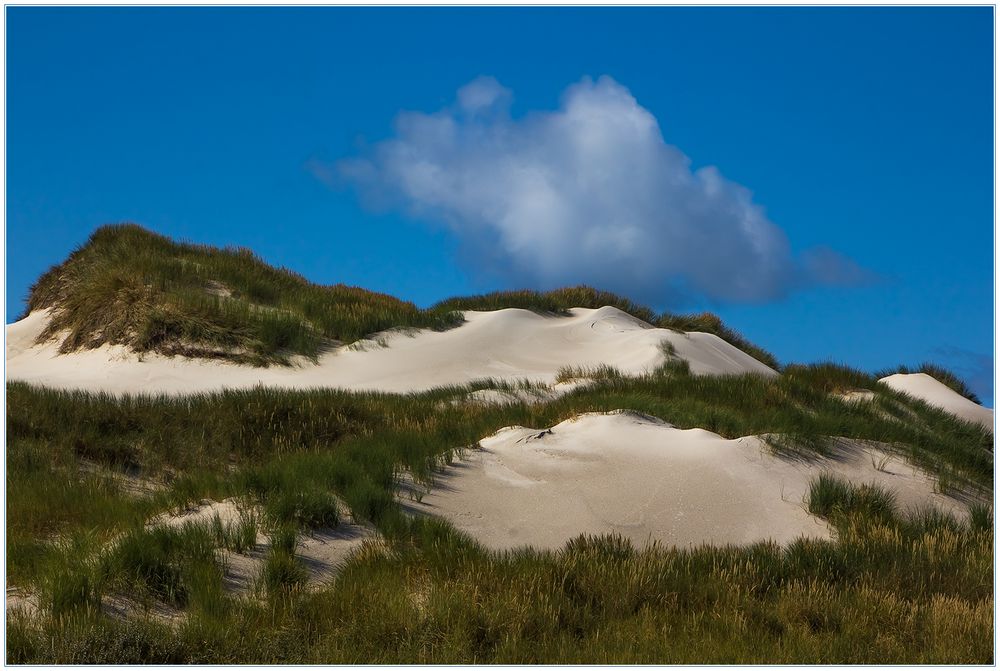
(929, 390)
(642, 478)
(510, 344)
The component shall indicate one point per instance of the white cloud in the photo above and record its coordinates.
(587, 193)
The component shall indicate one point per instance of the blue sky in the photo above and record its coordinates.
(865, 131)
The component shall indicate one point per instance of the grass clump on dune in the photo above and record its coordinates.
(710, 323)
(829, 495)
(173, 565)
(572, 373)
(281, 572)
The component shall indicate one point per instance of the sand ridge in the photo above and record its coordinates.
(510, 344)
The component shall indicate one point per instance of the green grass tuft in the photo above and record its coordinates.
(707, 322)
(162, 564)
(829, 496)
(281, 572)
(602, 372)
(981, 517)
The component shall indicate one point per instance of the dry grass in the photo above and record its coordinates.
(889, 590)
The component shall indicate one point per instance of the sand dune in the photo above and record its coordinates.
(644, 479)
(933, 392)
(594, 474)
(510, 344)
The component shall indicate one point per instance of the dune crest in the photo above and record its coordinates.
(933, 392)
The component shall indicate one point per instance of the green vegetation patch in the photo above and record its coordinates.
(129, 286)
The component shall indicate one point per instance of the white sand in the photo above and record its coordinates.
(933, 392)
(507, 344)
(642, 478)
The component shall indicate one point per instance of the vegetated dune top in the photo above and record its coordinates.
(132, 287)
(933, 392)
(646, 480)
(509, 344)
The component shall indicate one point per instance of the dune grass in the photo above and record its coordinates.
(280, 573)
(888, 590)
(132, 287)
(708, 322)
(892, 588)
(375, 434)
(298, 453)
(829, 496)
(176, 566)
(573, 373)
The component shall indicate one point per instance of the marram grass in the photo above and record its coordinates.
(887, 590)
(893, 587)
